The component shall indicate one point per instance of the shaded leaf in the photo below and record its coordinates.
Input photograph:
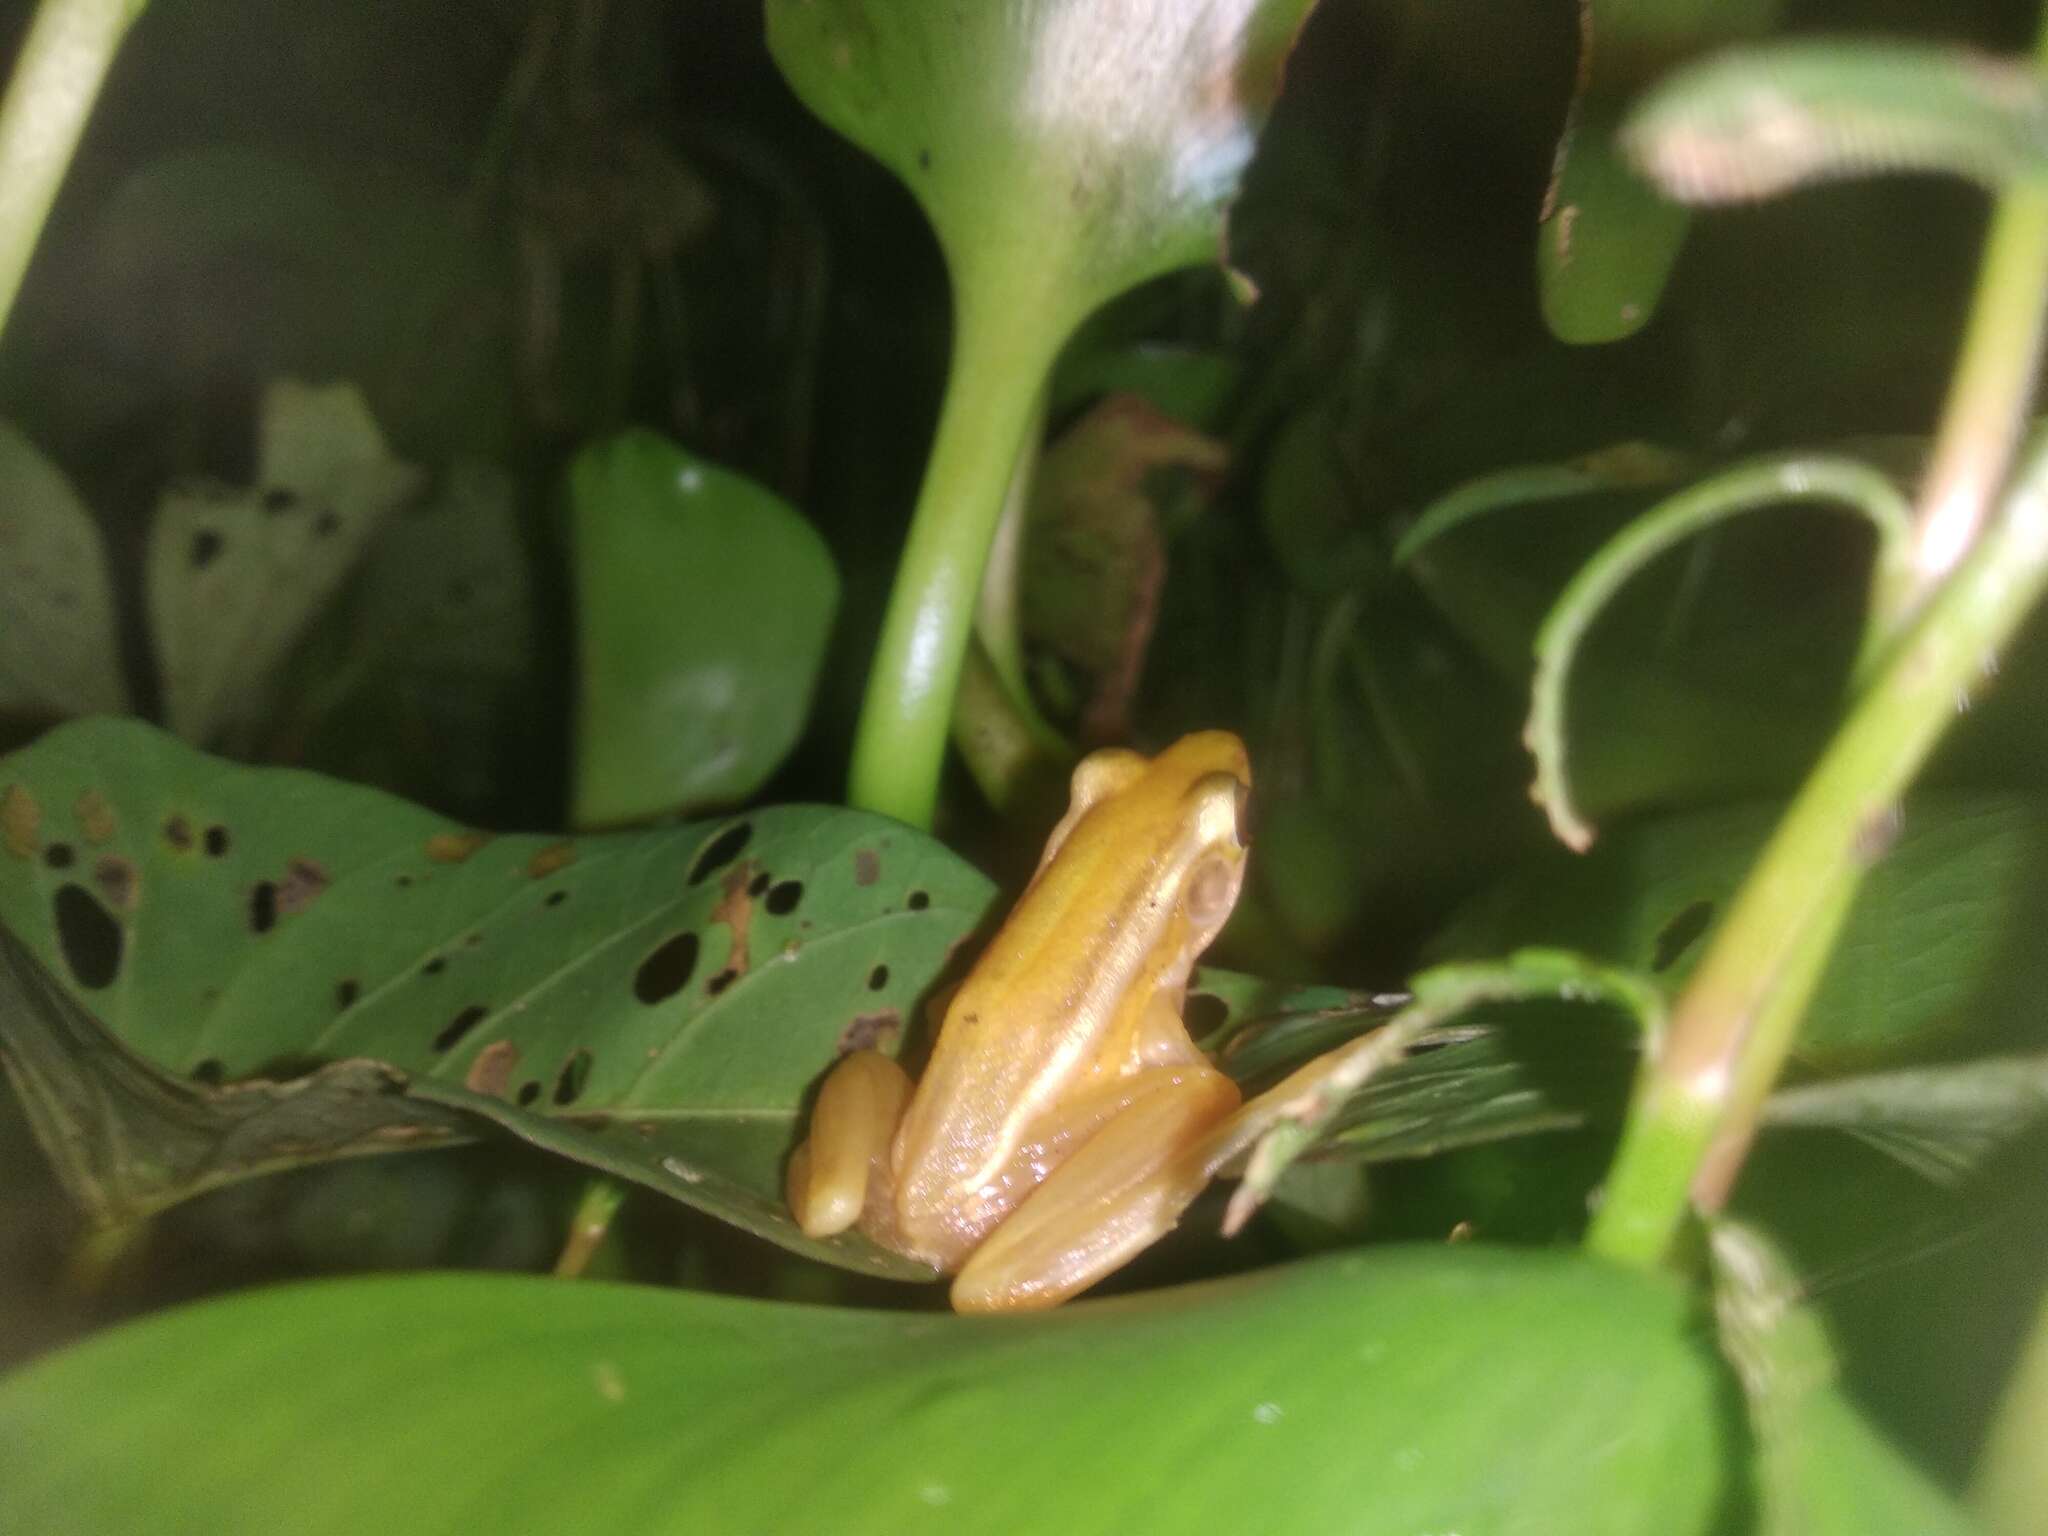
(1608, 241)
(1942, 935)
(1462, 1390)
(59, 653)
(1943, 1122)
(236, 574)
(127, 1140)
(654, 1004)
(703, 606)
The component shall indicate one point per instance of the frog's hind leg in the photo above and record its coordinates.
(1118, 1192)
(839, 1167)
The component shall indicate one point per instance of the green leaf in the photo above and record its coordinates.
(1466, 1389)
(655, 1005)
(236, 574)
(1073, 147)
(1608, 241)
(1755, 122)
(59, 653)
(1943, 1122)
(1942, 935)
(703, 606)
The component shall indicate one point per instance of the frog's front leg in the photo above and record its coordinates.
(842, 1167)
(1122, 1189)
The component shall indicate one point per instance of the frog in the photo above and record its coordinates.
(1066, 1117)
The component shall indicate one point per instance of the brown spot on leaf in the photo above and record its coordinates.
(492, 1069)
(871, 1031)
(304, 880)
(21, 821)
(178, 833)
(119, 881)
(556, 856)
(735, 909)
(867, 866)
(455, 847)
(96, 817)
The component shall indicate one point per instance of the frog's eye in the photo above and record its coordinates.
(1211, 892)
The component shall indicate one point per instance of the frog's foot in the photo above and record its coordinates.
(841, 1167)
(1119, 1191)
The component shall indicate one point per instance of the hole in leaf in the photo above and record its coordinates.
(346, 991)
(178, 833)
(206, 547)
(528, 1092)
(878, 978)
(279, 499)
(667, 970)
(867, 866)
(304, 880)
(720, 851)
(452, 1032)
(783, 899)
(58, 855)
(403, 882)
(1205, 1012)
(89, 937)
(574, 1074)
(216, 841)
(209, 1072)
(918, 900)
(556, 898)
(1680, 934)
(760, 883)
(721, 981)
(435, 966)
(327, 524)
(263, 906)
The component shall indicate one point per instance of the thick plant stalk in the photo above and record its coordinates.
(63, 61)
(1000, 358)
(1697, 1105)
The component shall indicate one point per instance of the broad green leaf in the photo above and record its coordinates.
(1072, 148)
(236, 574)
(656, 1005)
(1608, 241)
(1481, 1391)
(703, 604)
(59, 653)
(1942, 936)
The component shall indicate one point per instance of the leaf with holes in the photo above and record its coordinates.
(654, 1004)
(703, 604)
(235, 574)
(58, 650)
(1944, 934)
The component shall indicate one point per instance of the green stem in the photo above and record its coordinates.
(57, 77)
(1696, 1107)
(1000, 357)
(590, 1226)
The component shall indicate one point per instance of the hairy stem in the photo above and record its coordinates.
(1697, 1104)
